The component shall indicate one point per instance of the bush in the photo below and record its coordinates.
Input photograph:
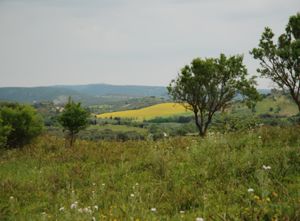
(20, 124)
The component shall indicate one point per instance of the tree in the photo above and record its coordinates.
(209, 85)
(73, 119)
(281, 61)
(20, 124)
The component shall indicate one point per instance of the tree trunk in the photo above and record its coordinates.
(200, 125)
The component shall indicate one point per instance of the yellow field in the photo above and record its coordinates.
(158, 110)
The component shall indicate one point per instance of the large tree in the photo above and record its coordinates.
(280, 61)
(73, 119)
(209, 85)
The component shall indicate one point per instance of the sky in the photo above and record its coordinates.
(128, 42)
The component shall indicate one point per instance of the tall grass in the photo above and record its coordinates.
(239, 176)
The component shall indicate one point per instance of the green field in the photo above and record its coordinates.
(238, 176)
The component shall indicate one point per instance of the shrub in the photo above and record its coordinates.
(20, 124)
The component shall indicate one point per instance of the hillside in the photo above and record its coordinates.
(87, 94)
(237, 176)
(157, 110)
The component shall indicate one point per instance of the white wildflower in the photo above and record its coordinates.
(153, 209)
(199, 219)
(94, 184)
(44, 213)
(132, 195)
(11, 197)
(250, 190)
(96, 207)
(103, 184)
(61, 209)
(93, 218)
(165, 134)
(266, 167)
(74, 205)
(136, 184)
(182, 212)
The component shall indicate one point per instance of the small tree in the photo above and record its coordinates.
(281, 61)
(20, 124)
(209, 85)
(73, 119)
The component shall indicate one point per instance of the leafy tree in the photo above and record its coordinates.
(20, 124)
(281, 61)
(73, 119)
(209, 85)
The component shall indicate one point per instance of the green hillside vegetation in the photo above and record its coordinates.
(237, 176)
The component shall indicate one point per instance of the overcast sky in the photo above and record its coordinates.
(136, 42)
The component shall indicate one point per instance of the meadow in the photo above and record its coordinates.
(157, 110)
(252, 175)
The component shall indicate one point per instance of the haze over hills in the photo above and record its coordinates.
(87, 94)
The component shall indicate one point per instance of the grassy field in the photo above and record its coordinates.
(158, 110)
(240, 176)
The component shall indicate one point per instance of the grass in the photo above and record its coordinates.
(158, 110)
(182, 178)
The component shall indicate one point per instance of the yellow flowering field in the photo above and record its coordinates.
(158, 110)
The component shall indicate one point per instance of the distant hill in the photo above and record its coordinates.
(87, 94)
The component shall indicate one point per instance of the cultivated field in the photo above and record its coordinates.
(158, 110)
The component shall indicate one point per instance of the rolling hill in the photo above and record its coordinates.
(87, 94)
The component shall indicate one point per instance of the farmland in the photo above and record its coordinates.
(158, 110)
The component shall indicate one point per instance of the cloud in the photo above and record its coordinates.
(126, 42)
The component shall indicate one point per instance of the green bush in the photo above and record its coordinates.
(20, 124)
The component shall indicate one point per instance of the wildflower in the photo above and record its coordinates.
(96, 207)
(74, 205)
(199, 219)
(103, 184)
(266, 167)
(11, 197)
(256, 197)
(165, 134)
(61, 209)
(136, 184)
(153, 209)
(181, 212)
(94, 184)
(132, 195)
(250, 190)
(274, 194)
(93, 218)
(259, 137)
(87, 210)
(44, 213)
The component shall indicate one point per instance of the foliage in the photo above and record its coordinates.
(73, 119)
(19, 124)
(281, 61)
(182, 178)
(4, 132)
(209, 85)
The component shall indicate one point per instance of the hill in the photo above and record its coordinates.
(87, 94)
